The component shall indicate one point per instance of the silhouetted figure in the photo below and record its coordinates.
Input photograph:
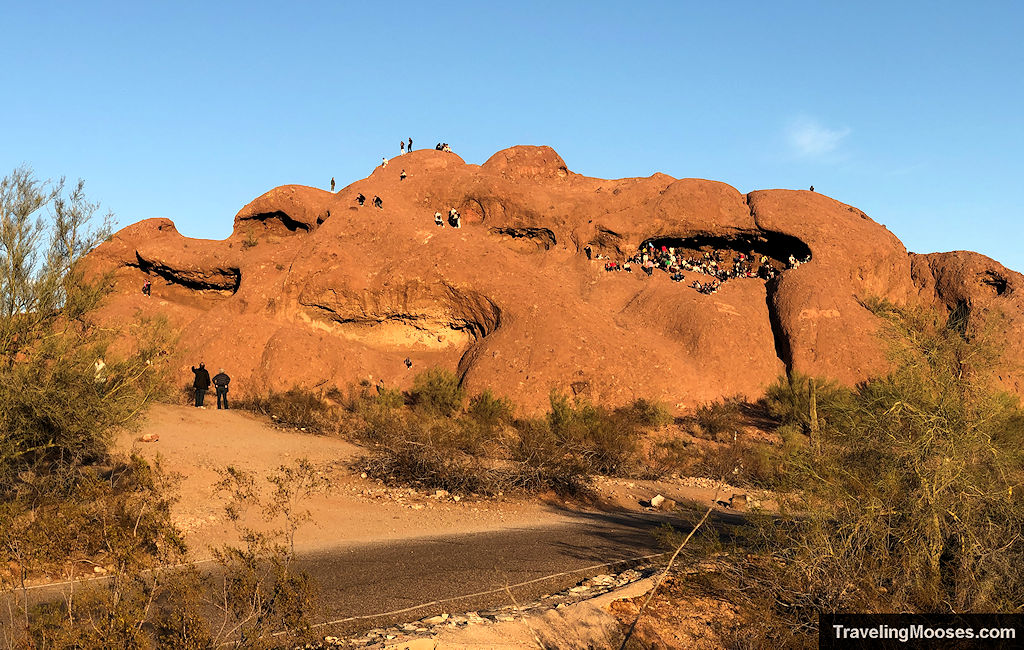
(438, 147)
(402, 176)
(812, 188)
(201, 383)
(408, 362)
(361, 199)
(220, 383)
(409, 148)
(377, 203)
(332, 183)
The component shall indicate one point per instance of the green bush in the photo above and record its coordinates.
(606, 441)
(645, 413)
(788, 400)
(297, 408)
(718, 419)
(489, 411)
(912, 500)
(437, 390)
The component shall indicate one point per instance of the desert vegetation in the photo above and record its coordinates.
(70, 508)
(906, 494)
(902, 494)
(435, 436)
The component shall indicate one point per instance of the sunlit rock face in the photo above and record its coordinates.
(314, 290)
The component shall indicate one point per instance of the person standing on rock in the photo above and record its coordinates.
(201, 383)
(332, 183)
(408, 149)
(384, 161)
(377, 203)
(401, 145)
(220, 382)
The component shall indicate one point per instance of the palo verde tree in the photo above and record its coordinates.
(58, 405)
(913, 502)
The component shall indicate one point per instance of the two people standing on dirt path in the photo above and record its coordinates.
(202, 382)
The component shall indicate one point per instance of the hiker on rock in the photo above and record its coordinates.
(402, 176)
(438, 220)
(332, 183)
(401, 145)
(383, 161)
(812, 188)
(361, 199)
(147, 288)
(454, 220)
(409, 147)
(220, 382)
(201, 383)
(377, 203)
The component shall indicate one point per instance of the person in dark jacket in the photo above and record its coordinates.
(220, 383)
(201, 383)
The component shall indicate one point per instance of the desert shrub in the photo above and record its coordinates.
(717, 419)
(297, 408)
(425, 450)
(788, 400)
(606, 441)
(437, 390)
(547, 461)
(490, 411)
(645, 413)
(911, 503)
(670, 456)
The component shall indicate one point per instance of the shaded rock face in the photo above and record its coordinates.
(312, 289)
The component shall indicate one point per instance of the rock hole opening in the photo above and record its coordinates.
(996, 281)
(777, 247)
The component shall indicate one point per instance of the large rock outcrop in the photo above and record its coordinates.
(313, 289)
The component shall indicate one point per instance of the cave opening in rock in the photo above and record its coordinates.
(996, 281)
(540, 237)
(777, 247)
(279, 222)
(220, 281)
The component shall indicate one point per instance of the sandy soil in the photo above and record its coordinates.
(196, 443)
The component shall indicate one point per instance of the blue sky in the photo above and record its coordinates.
(911, 111)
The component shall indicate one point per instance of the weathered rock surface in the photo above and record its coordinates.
(312, 289)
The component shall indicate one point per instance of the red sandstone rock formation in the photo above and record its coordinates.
(313, 290)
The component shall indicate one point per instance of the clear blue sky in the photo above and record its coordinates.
(912, 111)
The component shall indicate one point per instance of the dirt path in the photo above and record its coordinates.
(196, 443)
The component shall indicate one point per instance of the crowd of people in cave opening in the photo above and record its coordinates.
(720, 265)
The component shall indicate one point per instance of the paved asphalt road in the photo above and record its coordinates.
(372, 585)
(454, 572)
